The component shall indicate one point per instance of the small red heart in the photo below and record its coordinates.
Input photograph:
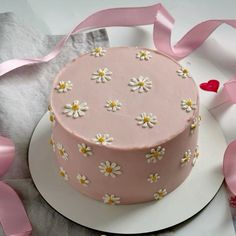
(211, 85)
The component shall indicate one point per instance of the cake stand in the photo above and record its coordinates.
(181, 204)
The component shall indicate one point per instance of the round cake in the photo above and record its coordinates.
(125, 124)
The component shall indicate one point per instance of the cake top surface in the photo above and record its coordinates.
(124, 97)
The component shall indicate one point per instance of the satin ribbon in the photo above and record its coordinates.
(163, 24)
(13, 217)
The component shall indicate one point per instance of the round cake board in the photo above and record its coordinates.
(181, 204)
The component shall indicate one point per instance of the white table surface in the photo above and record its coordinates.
(215, 59)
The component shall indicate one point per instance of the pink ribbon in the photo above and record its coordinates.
(12, 213)
(163, 24)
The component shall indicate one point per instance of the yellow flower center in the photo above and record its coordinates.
(156, 154)
(113, 104)
(101, 139)
(62, 85)
(193, 126)
(75, 107)
(154, 178)
(83, 150)
(185, 71)
(146, 119)
(51, 118)
(97, 50)
(101, 73)
(143, 54)
(61, 152)
(189, 103)
(82, 181)
(109, 169)
(161, 194)
(110, 201)
(141, 83)
(62, 173)
(49, 107)
(51, 142)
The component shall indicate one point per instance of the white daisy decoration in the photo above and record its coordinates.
(110, 169)
(51, 114)
(152, 178)
(186, 158)
(52, 142)
(184, 73)
(62, 151)
(195, 123)
(98, 52)
(160, 194)
(102, 75)
(113, 105)
(140, 84)
(76, 109)
(195, 155)
(143, 55)
(188, 105)
(64, 86)
(103, 139)
(63, 173)
(85, 150)
(111, 199)
(83, 180)
(155, 154)
(146, 120)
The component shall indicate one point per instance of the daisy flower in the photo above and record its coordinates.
(146, 120)
(183, 72)
(103, 139)
(155, 154)
(141, 84)
(153, 178)
(160, 194)
(186, 158)
(111, 199)
(188, 105)
(195, 123)
(64, 86)
(63, 173)
(76, 109)
(52, 142)
(85, 150)
(195, 155)
(110, 169)
(143, 55)
(98, 52)
(113, 105)
(102, 75)
(62, 151)
(83, 180)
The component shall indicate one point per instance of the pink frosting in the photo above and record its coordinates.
(131, 142)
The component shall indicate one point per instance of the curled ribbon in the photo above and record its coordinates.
(163, 24)
(12, 213)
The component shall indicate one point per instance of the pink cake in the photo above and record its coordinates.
(125, 124)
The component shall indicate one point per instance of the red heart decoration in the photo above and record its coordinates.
(211, 85)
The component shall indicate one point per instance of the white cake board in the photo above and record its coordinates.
(184, 202)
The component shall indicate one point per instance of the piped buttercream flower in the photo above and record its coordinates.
(98, 52)
(62, 151)
(195, 156)
(110, 169)
(52, 142)
(64, 86)
(102, 75)
(194, 124)
(85, 150)
(184, 73)
(155, 154)
(76, 109)
(51, 114)
(141, 84)
(113, 105)
(83, 180)
(188, 105)
(63, 173)
(103, 139)
(152, 178)
(146, 120)
(111, 199)
(143, 55)
(160, 194)
(186, 158)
